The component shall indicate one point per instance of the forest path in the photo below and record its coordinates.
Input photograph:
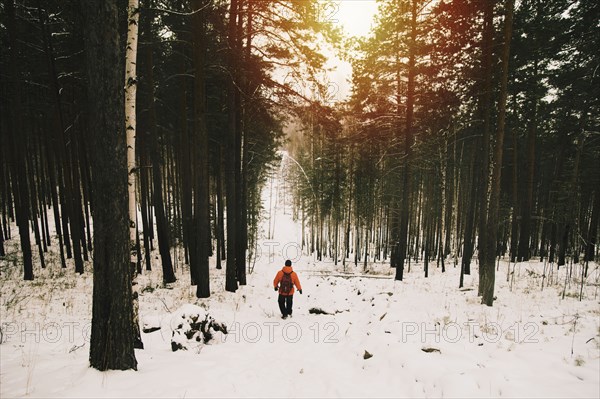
(530, 344)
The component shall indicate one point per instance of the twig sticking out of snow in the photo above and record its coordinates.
(165, 305)
(75, 347)
(574, 331)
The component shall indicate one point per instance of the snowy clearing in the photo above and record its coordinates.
(422, 337)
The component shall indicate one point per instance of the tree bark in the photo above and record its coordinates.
(231, 284)
(159, 209)
(594, 220)
(514, 233)
(492, 219)
(486, 108)
(220, 233)
(144, 194)
(524, 236)
(201, 194)
(112, 338)
(130, 118)
(408, 137)
(18, 145)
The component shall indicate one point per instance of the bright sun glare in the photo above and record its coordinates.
(355, 16)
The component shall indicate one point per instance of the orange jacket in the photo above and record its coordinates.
(295, 280)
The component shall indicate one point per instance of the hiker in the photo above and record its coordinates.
(284, 282)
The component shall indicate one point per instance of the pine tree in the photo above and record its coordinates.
(112, 338)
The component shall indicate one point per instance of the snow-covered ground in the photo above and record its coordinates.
(532, 343)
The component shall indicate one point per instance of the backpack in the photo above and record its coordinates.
(285, 286)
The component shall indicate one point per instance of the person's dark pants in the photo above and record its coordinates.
(285, 304)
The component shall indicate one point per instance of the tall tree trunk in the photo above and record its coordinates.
(130, 130)
(57, 124)
(74, 194)
(201, 194)
(220, 214)
(162, 226)
(144, 194)
(241, 239)
(86, 182)
(524, 237)
(64, 193)
(486, 109)
(492, 219)
(3, 200)
(566, 228)
(34, 209)
(130, 118)
(449, 191)
(594, 220)
(514, 233)
(112, 338)
(469, 224)
(18, 144)
(231, 166)
(161, 221)
(408, 137)
(186, 173)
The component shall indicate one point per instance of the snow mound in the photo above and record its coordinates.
(193, 326)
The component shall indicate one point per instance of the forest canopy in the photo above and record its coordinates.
(472, 133)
